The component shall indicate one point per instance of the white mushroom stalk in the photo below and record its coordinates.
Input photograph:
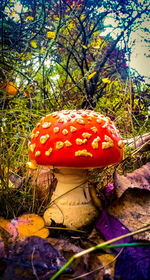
(71, 202)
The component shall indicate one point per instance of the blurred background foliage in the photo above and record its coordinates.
(62, 54)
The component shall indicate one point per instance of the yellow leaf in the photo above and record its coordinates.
(73, 4)
(12, 13)
(23, 58)
(33, 44)
(30, 18)
(42, 50)
(56, 17)
(39, 76)
(71, 25)
(82, 17)
(96, 44)
(51, 35)
(106, 81)
(91, 75)
(84, 47)
(29, 55)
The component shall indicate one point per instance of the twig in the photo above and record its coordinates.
(99, 268)
(33, 268)
(67, 229)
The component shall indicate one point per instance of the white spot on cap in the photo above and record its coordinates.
(59, 145)
(98, 120)
(112, 130)
(35, 135)
(37, 153)
(108, 144)
(67, 143)
(86, 135)
(72, 129)
(44, 138)
(48, 153)
(46, 124)
(61, 120)
(94, 129)
(56, 129)
(80, 141)
(80, 121)
(84, 115)
(32, 147)
(83, 153)
(95, 142)
(66, 112)
(65, 132)
(54, 114)
(106, 123)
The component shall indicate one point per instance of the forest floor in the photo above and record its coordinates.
(126, 209)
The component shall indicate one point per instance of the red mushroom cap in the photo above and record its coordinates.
(75, 139)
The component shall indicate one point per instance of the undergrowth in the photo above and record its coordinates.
(19, 116)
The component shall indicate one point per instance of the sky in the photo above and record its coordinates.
(140, 56)
(140, 50)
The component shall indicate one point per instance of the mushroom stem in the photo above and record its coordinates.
(71, 202)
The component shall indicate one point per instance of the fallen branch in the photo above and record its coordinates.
(141, 142)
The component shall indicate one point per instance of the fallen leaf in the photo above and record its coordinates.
(43, 183)
(98, 264)
(8, 227)
(90, 266)
(24, 226)
(15, 181)
(140, 179)
(111, 227)
(133, 210)
(30, 225)
(133, 264)
(33, 258)
(4, 242)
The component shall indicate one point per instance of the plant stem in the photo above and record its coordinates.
(135, 244)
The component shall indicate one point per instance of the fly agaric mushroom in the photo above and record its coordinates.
(74, 141)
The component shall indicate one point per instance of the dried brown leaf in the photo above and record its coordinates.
(139, 178)
(43, 183)
(133, 210)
